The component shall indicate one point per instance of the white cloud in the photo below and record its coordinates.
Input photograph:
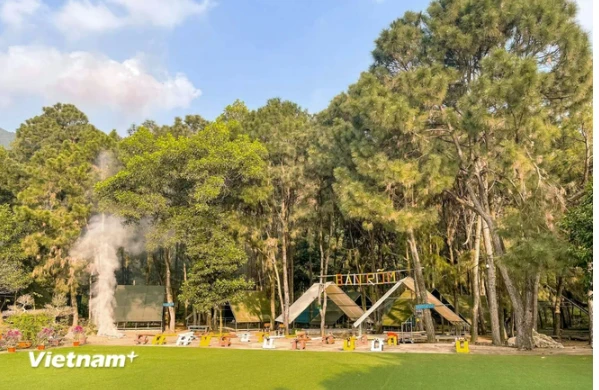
(14, 12)
(90, 81)
(161, 13)
(80, 17)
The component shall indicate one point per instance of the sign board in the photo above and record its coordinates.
(386, 277)
(425, 306)
(168, 304)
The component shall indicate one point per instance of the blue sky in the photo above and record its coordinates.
(123, 61)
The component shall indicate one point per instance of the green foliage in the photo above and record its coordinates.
(579, 227)
(214, 278)
(188, 188)
(30, 324)
(531, 244)
(390, 170)
(163, 174)
(13, 276)
(51, 176)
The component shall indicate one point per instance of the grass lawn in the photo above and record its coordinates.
(213, 368)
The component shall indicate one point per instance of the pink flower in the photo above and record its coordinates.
(12, 337)
(77, 329)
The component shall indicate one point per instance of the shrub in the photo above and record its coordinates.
(88, 326)
(44, 335)
(77, 332)
(61, 328)
(30, 324)
(12, 337)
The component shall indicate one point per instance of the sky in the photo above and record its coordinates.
(124, 61)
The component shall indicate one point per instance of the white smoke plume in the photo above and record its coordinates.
(101, 242)
(104, 236)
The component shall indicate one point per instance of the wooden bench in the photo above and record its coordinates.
(225, 339)
(300, 341)
(198, 328)
(328, 339)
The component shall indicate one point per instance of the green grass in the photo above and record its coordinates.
(213, 368)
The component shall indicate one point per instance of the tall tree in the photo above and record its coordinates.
(57, 151)
(285, 130)
(393, 171)
(579, 227)
(513, 69)
(181, 184)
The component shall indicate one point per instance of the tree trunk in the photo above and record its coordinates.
(481, 309)
(535, 302)
(290, 257)
(220, 319)
(517, 308)
(270, 273)
(323, 310)
(557, 318)
(491, 287)
(273, 301)
(481, 320)
(186, 303)
(475, 282)
(526, 331)
(422, 297)
(503, 329)
(74, 305)
(324, 266)
(590, 306)
(169, 290)
(286, 302)
(277, 277)
(480, 203)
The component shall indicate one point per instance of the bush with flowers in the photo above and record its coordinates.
(77, 332)
(12, 338)
(44, 335)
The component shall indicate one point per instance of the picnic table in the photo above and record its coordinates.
(198, 328)
(300, 341)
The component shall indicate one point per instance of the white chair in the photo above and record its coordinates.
(185, 338)
(377, 345)
(268, 343)
(245, 337)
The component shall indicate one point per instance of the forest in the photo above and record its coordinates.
(462, 156)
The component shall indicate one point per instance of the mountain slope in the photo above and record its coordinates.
(6, 137)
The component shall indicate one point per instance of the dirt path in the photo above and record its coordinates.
(483, 348)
